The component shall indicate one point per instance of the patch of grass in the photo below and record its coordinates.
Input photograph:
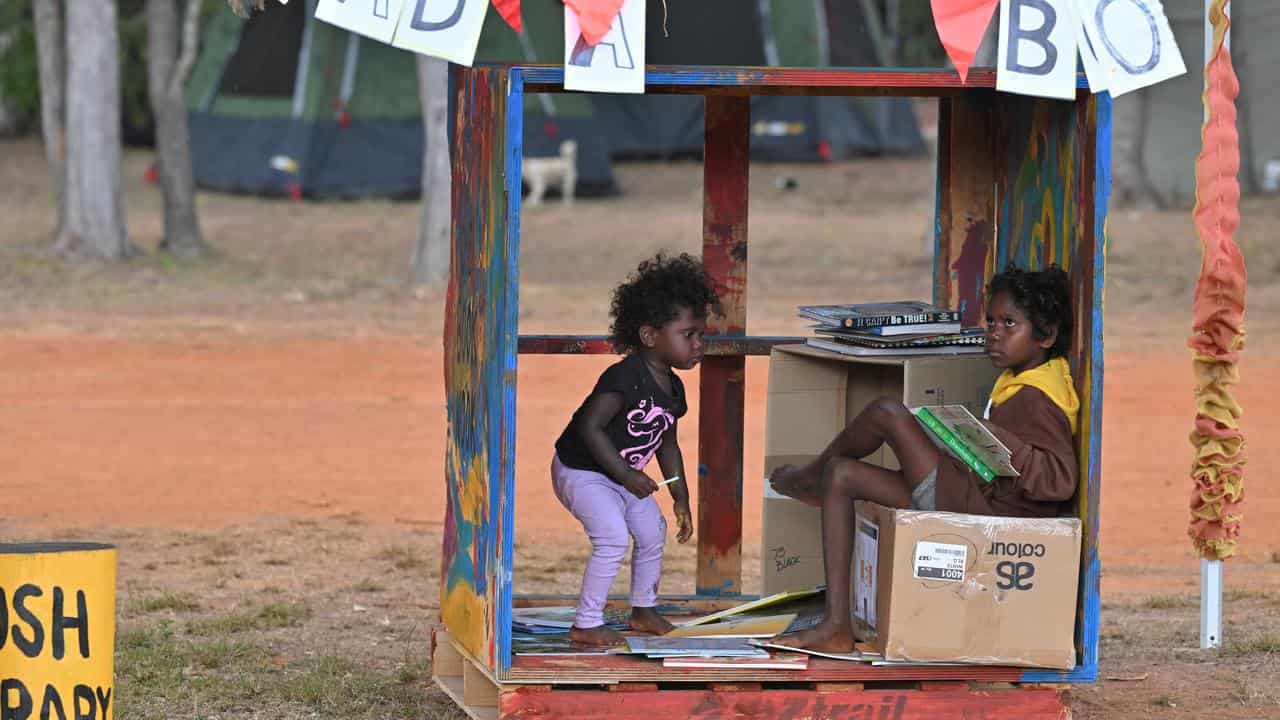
(368, 586)
(268, 617)
(1168, 701)
(404, 557)
(222, 654)
(1265, 644)
(1238, 594)
(280, 615)
(333, 686)
(1168, 602)
(178, 602)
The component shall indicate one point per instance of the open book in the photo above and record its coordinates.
(954, 429)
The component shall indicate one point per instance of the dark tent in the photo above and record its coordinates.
(283, 103)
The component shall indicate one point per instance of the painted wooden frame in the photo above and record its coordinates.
(1019, 179)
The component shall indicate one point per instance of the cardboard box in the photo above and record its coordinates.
(812, 395)
(967, 588)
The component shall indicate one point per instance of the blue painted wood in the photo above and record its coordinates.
(1090, 586)
(510, 350)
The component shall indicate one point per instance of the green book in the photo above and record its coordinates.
(969, 442)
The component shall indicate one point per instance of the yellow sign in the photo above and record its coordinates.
(57, 631)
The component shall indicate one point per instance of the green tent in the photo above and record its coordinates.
(283, 103)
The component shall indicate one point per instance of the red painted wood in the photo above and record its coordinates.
(805, 81)
(725, 180)
(788, 705)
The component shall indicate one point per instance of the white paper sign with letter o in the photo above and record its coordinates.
(1037, 48)
(616, 63)
(448, 29)
(372, 18)
(1133, 42)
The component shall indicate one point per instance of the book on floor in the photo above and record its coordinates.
(697, 646)
(872, 315)
(757, 604)
(738, 627)
(957, 432)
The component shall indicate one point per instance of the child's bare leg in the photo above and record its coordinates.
(884, 420)
(843, 482)
(647, 619)
(599, 635)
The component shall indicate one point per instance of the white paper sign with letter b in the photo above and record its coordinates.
(372, 18)
(616, 63)
(448, 29)
(1133, 44)
(1037, 48)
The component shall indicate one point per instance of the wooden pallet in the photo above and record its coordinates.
(610, 694)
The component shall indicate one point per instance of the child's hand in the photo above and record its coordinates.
(684, 520)
(639, 484)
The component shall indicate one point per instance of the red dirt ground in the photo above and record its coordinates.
(229, 429)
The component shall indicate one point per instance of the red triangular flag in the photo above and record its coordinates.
(595, 16)
(961, 25)
(510, 11)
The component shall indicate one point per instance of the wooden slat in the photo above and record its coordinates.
(477, 689)
(965, 242)
(452, 686)
(773, 704)
(479, 335)
(446, 661)
(717, 345)
(725, 179)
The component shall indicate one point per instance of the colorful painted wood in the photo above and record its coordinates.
(1019, 179)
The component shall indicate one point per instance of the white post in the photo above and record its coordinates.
(1210, 603)
(1211, 570)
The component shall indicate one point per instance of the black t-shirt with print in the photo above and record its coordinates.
(636, 431)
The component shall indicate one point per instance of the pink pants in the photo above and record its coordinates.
(612, 516)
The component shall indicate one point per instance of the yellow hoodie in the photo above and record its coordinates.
(1053, 378)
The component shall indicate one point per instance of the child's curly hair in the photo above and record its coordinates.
(1045, 296)
(654, 294)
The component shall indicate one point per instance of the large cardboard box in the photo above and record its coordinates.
(968, 588)
(812, 394)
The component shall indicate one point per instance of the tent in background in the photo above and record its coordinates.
(284, 103)
(1164, 120)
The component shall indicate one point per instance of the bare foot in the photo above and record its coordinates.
(646, 619)
(600, 636)
(801, 483)
(825, 637)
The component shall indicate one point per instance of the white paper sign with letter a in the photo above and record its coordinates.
(1133, 44)
(1037, 48)
(372, 18)
(448, 29)
(616, 63)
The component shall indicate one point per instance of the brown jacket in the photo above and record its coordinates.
(1037, 433)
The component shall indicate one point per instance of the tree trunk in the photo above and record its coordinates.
(51, 46)
(1130, 186)
(95, 201)
(430, 264)
(166, 85)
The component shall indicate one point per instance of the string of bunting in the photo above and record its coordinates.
(1217, 337)
(1123, 45)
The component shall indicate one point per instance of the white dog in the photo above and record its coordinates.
(561, 170)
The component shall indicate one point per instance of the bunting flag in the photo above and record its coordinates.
(1218, 312)
(961, 25)
(510, 11)
(595, 16)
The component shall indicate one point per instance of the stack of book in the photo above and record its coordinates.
(906, 327)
